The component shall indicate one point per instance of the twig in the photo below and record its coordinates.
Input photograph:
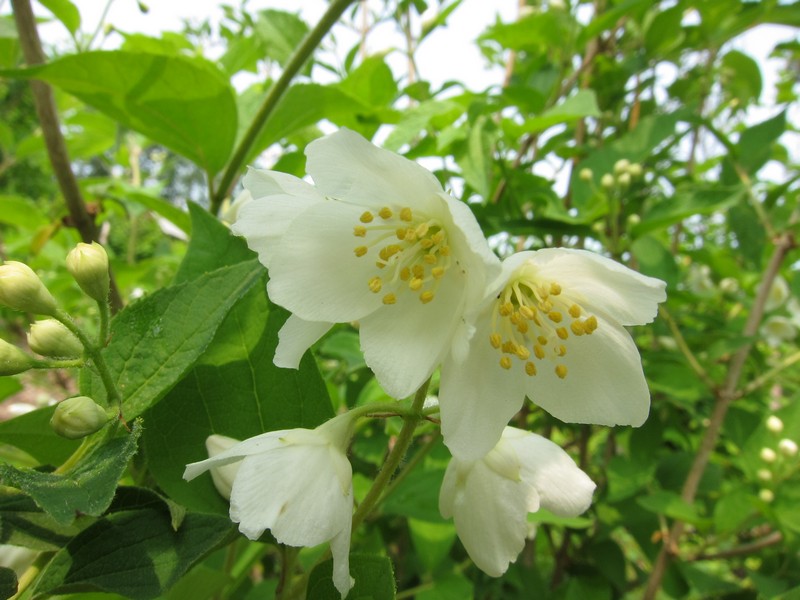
(774, 538)
(685, 350)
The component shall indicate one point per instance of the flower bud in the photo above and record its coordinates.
(621, 166)
(774, 424)
(768, 455)
(624, 179)
(788, 447)
(607, 181)
(21, 289)
(77, 417)
(766, 496)
(778, 294)
(88, 264)
(13, 360)
(633, 220)
(764, 475)
(586, 174)
(729, 285)
(635, 170)
(222, 476)
(51, 338)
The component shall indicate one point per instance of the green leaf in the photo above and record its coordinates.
(655, 259)
(665, 32)
(741, 78)
(582, 104)
(280, 33)
(66, 12)
(21, 212)
(133, 553)
(8, 583)
(371, 82)
(754, 148)
(545, 516)
(374, 579)
(420, 117)
(32, 433)
(239, 399)
(417, 496)
(161, 207)
(182, 102)
(685, 203)
(733, 510)
(22, 523)
(449, 586)
(432, 541)
(87, 489)
(671, 505)
(155, 341)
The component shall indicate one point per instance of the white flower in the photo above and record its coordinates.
(778, 294)
(777, 329)
(552, 329)
(489, 499)
(787, 447)
(768, 455)
(222, 476)
(774, 424)
(298, 484)
(376, 241)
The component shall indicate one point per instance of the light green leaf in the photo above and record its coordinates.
(741, 78)
(32, 433)
(374, 578)
(184, 103)
(66, 12)
(134, 553)
(87, 489)
(420, 117)
(545, 516)
(21, 212)
(432, 541)
(671, 505)
(582, 104)
(280, 33)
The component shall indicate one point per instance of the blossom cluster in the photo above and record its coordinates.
(376, 240)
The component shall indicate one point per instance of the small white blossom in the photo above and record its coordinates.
(489, 499)
(768, 455)
(298, 484)
(766, 495)
(778, 294)
(764, 474)
(777, 329)
(552, 328)
(376, 240)
(774, 424)
(787, 447)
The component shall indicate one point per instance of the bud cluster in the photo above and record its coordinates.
(779, 463)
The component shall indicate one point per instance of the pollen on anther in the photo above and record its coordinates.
(522, 352)
(415, 283)
(426, 243)
(574, 311)
(375, 284)
(526, 311)
(422, 230)
(562, 333)
(538, 351)
(366, 217)
(591, 324)
(400, 233)
(405, 273)
(542, 340)
(577, 327)
(495, 340)
(385, 212)
(555, 289)
(389, 299)
(418, 271)
(555, 316)
(561, 371)
(437, 272)
(530, 368)
(360, 250)
(522, 327)
(359, 231)
(506, 309)
(561, 350)
(406, 215)
(426, 297)
(505, 362)
(444, 250)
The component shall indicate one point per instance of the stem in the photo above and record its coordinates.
(411, 465)
(105, 318)
(94, 352)
(396, 455)
(51, 130)
(59, 364)
(296, 62)
(763, 379)
(31, 573)
(685, 349)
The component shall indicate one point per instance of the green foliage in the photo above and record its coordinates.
(374, 578)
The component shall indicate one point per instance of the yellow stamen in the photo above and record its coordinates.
(366, 217)
(530, 368)
(542, 340)
(405, 273)
(437, 272)
(577, 327)
(375, 284)
(505, 362)
(555, 316)
(360, 231)
(562, 333)
(422, 230)
(406, 215)
(400, 233)
(526, 311)
(430, 259)
(506, 309)
(415, 283)
(561, 350)
(444, 250)
(590, 324)
(389, 299)
(555, 289)
(360, 250)
(426, 297)
(574, 311)
(523, 353)
(418, 271)
(522, 327)
(561, 371)
(385, 212)
(538, 351)
(426, 244)
(495, 340)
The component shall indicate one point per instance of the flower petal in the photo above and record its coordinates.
(254, 445)
(604, 383)
(340, 549)
(344, 165)
(403, 343)
(315, 272)
(295, 337)
(600, 284)
(294, 491)
(490, 515)
(563, 488)
(278, 199)
(477, 398)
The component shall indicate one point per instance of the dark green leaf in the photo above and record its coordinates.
(32, 433)
(374, 579)
(133, 553)
(87, 489)
(156, 340)
(22, 523)
(741, 78)
(184, 103)
(8, 583)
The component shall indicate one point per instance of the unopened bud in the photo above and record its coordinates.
(768, 455)
(88, 264)
(635, 170)
(51, 338)
(766, 495)
(78, 417)
(764, 474)
(21, 289)
(586, 174)
(13, 360)
(729, 285)
(621, 166)
(787, 447)
(624, 179)
(633, 220)
(222, 476)
(607, 181)
(774, 424)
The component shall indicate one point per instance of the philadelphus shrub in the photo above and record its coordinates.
(377, 240)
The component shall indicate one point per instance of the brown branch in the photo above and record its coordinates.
(51, 130)
(774, 538)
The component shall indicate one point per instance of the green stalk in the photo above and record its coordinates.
(296, 62)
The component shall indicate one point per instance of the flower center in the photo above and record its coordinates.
(409, 249)
(532, 321)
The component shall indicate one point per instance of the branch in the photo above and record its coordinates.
(275, 93)
(51, 130)
(776, 537)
